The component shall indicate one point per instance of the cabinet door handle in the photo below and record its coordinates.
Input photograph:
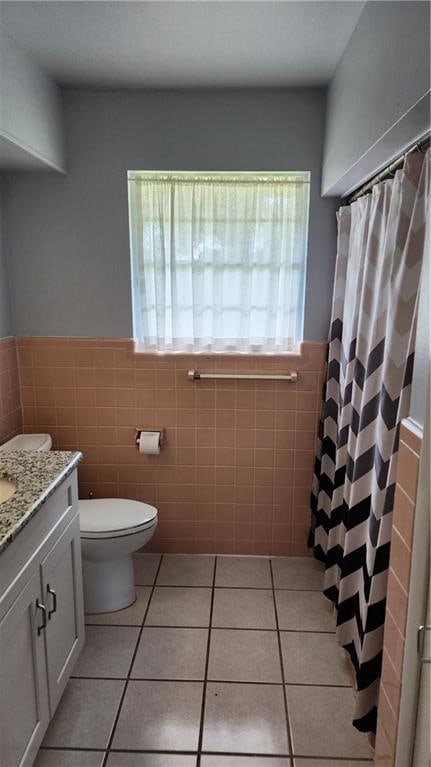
(53, 609)
(42, 607)
(421, 643)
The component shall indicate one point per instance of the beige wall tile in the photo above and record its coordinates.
(404, 512)
(410, 437)
(391, 684)
(387, 719)
(400, 559)
(227, 478)
(408, 468)
(397, 596)
(10, 403)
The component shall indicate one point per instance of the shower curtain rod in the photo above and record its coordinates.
(395, 165)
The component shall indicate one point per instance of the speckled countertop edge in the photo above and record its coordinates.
(36, 475)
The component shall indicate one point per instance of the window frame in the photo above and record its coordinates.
(292, 177)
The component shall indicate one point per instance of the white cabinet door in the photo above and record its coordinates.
(62, 594)
(24, 712)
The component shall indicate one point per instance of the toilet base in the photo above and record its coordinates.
(109, 584)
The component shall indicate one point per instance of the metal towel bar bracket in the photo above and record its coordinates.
(194, 375)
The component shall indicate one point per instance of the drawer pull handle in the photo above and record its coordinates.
(42, 607)
(53, 609)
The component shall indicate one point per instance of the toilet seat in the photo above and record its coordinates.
(114, 517)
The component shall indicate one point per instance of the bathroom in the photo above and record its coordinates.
(201, 564)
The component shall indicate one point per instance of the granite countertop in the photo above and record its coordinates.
(36, 476)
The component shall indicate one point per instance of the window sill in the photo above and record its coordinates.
(138, 348)
(303, 350)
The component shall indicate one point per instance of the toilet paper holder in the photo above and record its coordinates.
(140, 429)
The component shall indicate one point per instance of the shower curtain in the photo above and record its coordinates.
(367, 392)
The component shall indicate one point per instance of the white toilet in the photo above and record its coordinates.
(111, 530)
(40, 442)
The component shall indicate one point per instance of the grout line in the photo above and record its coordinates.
(331, 760)
(120, 705)
(283, 677)
(72, 748)
(230, 588)
(204, 692)
(206, 586)
(215, 681)
(214, 628)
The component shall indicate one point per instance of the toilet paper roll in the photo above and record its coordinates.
(149, 442)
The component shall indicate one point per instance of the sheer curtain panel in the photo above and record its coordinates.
(218, 261)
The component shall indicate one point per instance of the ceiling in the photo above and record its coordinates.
(184, 44)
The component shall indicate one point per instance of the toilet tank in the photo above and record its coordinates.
(39, 442)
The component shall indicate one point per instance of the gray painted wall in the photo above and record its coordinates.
(69, 264)
(31, 131)
(5, 310)
(378, 101)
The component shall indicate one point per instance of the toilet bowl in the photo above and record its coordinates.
(111, 530)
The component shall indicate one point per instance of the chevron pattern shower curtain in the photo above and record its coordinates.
(367, 391)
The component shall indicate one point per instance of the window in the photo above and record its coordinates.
(218, 260)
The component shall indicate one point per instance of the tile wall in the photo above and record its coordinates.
(236, 470)
(10, 406)
(397, 599)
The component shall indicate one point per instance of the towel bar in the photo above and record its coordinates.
(194, 375)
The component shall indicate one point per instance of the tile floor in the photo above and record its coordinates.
(221, 662)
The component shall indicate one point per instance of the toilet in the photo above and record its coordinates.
(41, 443)
(111, 530)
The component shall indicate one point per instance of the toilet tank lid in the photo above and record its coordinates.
(39, 442)
(102, 515)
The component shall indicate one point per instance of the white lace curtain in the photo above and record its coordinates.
(218, 262)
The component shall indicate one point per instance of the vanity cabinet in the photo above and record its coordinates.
(61, 579)
(24, 684)
(41, 623)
